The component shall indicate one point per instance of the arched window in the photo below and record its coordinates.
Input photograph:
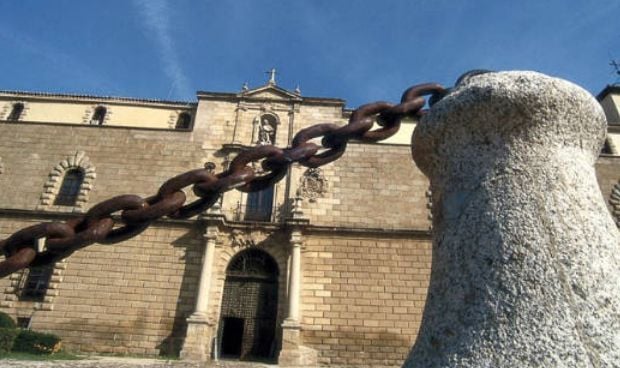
(253, 263)
(184, 121)
(16, 111)
(98, 116)
(70, 188)
(259, 205)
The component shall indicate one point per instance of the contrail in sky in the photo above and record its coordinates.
(156, 21)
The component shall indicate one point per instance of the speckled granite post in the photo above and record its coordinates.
(526, 258)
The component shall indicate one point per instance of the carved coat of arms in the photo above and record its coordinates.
(313, 184)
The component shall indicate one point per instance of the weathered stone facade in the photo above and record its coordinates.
(350, 244)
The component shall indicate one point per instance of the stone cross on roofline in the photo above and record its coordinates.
(272, 76)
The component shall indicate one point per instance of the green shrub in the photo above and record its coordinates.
(29, 341)
(6, 321)
(7, 338)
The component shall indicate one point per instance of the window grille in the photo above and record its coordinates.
(35, 285)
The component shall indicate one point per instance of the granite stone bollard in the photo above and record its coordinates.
(526, 257)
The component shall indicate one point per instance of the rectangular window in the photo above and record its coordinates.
(23, 322)
(34, 285)
(259, 205)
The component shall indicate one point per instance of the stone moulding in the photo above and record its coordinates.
(614, 201)
(526, 257)
(80, 161)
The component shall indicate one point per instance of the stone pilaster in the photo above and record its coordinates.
(293, 353)
(197, 345)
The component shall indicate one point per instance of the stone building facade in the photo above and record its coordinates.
(330, 266)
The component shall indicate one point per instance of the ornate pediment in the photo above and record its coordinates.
(271, 92)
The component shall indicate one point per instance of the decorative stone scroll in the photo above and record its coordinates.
(79, 160)
(247, 237)
(313, 184)
(614, 200)
(526, 257)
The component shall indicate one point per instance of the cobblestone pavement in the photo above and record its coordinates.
(115, 362)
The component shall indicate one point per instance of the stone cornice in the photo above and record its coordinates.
(235, 97)
(609, 89)
(88, 126)
(613, 128)
(219, 220)
(63, 97)
(61, 216)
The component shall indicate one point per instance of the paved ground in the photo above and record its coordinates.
(114, 362)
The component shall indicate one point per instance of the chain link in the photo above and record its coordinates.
(99, 224)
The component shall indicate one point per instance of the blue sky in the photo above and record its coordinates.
(360, 51)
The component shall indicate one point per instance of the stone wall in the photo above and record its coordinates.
(372, 186)
(126, 160)
(131, 298)
(363, 296)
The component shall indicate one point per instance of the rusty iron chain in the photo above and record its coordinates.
(97, 225)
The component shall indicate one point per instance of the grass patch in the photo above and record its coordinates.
(61, 355)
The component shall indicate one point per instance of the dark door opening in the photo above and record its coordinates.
(232, 335)
(249, 307)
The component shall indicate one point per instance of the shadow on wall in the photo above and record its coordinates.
(371, 348)
(129, 332)
(107, 336)
(191, 242)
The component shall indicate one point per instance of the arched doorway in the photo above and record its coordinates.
(247, 326)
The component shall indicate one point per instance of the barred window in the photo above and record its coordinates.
(16, 112)
(70, 188)
(184, 121)
(35, 284)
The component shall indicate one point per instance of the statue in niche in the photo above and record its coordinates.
(264, 130)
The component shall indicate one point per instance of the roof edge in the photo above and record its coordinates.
(241, 96)
(609, 89)
(95, 97)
